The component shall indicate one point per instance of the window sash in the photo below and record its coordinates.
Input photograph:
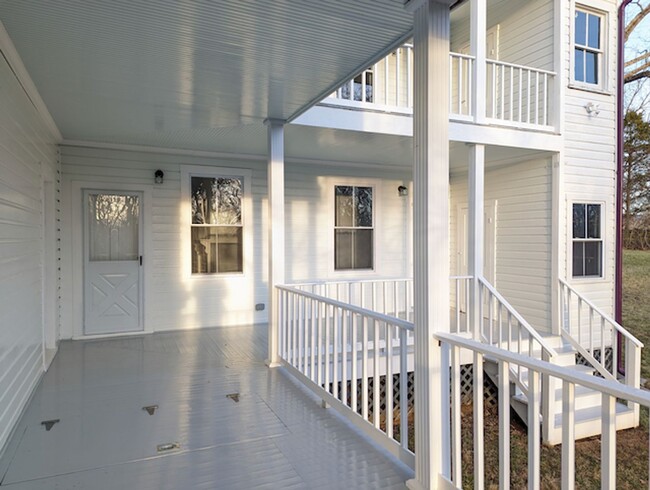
(359, 239)
(586, 49)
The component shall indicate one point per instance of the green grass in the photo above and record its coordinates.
(636, 301)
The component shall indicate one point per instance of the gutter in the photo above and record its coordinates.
(620, 93)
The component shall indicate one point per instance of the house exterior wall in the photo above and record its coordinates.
(28, 158)
(522, 195)
(588, 160)
(174, 300)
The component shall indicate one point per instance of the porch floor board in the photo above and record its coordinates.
(275, 436)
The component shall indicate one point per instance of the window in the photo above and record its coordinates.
(353, 228)
(216, 226)
(588, 50)
(363, 81)
(587, 240)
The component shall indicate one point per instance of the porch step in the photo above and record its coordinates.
(588, 402)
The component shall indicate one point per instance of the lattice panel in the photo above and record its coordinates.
(490, 391)
(609, 358)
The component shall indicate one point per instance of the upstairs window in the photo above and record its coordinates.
(353, 228)
(587, 240)
(588, 47)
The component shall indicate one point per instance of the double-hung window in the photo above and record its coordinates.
(217, 226)
(588, 47)
(587, 240)
(353, 228)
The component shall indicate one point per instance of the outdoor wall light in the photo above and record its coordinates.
(403, 191)
(592, 109)
(159, 175)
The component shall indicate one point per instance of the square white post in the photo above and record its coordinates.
(475, 235)
(477, 47)
(275, 177)
(431, 239)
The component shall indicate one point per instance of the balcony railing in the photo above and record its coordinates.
(516, 95)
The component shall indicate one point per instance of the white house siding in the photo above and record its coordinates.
(522, 193)
(525, 32)
(589, 157)
(310, 221)
(172, 299)
(178, 302)
(27, 153)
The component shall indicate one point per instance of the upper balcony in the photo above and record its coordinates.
(515, 95)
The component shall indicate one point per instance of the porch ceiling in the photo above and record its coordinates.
(188, 74)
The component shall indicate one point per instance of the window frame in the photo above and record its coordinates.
(603, 220)
(602, 84)
(352, 182)
(189, 171)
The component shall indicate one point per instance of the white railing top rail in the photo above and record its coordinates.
(365, 281)
(617, 326)
(532, 332)
(351, 308)
(461, 55)
(521, 67)
(350, 281)
(601, 385)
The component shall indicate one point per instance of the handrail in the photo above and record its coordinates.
(353, 309)
(522, 67)
(531, 331)
(617, 326)
(601, 385)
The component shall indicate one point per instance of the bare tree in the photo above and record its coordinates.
(638, 68)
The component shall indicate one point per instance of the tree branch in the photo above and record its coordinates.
(636, 20)
(637, 76)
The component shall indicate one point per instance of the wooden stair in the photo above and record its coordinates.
(587, 401)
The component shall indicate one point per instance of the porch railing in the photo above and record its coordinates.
(516, 95)
(393, 297)
(344, 353)
(595, 335)
(568, 380)
(519, 95)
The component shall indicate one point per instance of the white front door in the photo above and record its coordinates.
(112, 262)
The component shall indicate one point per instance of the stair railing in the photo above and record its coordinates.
(592, 332)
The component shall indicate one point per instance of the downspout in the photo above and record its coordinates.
(620, 93)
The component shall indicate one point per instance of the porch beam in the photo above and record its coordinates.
(478, 42)
(431, 240)
(276, 262)
(476, 231)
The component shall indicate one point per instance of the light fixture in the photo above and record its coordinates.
(592, 109)
(403, 191)
(159, 175)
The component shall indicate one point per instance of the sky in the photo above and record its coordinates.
(638, 93)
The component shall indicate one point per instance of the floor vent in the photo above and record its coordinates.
(168, 446)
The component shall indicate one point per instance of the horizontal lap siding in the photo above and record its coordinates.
(176, 302)
(309, 221)
(523, 234)
(25, 144)
(589, 162)
(212, 301)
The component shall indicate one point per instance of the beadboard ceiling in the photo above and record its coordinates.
(197, 75)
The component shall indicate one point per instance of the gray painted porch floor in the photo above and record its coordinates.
(276, 435)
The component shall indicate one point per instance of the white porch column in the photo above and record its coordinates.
(475, 230)
(431, 239)
(275, 177)
(478, 42)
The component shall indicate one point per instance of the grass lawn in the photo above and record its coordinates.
(636, 301)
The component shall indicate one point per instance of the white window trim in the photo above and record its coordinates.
(375, 184)
(600, 9)
(189, 171)
(604, 209)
